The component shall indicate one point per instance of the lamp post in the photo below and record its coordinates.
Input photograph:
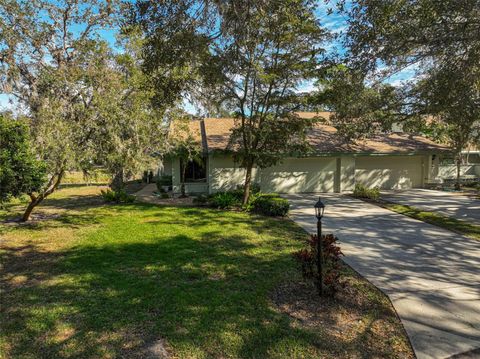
(319, 209)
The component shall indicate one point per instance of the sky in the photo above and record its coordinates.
(334, 22)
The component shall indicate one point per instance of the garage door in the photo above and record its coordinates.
(389, 172)
(300, 175)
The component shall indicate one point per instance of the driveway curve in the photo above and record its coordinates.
(432, 276)
(446, 203)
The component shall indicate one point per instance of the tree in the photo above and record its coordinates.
(455, 101)
(249, 57)
(46, 48)
(439, 40)
(129, 130)
(359, 109)
(20, 171)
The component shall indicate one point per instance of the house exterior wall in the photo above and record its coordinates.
(297, 175)
(390, 172)
(347, 173)
(314, 174)
(450, 171)
(176, 175)
(224, 174)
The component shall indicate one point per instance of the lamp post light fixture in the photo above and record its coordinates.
(319, 210)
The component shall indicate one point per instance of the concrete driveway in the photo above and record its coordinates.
(431, 275)
(448, 204)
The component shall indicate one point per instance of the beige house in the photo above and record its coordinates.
(388, 161)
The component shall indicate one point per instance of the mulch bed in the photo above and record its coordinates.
(359, 320)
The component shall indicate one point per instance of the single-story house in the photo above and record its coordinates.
(389, 161)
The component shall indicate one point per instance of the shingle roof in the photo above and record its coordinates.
(183, 129)
(324, 139)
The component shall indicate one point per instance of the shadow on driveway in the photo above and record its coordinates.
(431, 275)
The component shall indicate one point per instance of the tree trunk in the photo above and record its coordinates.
(183, 194)
(28, 211)
(457, 182)
(248, 182)
(36, 200)
(117, 182)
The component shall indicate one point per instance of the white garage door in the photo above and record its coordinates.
(300, 175)
(389, 172)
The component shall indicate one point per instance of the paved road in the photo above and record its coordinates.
(432, 276)
(448, 204)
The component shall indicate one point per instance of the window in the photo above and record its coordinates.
(196, 170)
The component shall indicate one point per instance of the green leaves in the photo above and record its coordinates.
(359, 110)
(436, 40)
(20, 171)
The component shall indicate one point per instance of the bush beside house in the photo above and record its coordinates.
(120, 196)
(270, 205)
(366, 193)
(267, 204)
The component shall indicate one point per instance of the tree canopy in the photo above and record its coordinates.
(247, 58)
(87, 104)
(439, 41)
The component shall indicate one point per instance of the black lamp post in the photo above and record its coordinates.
(319, 209)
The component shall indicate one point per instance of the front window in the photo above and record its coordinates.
(195, 171)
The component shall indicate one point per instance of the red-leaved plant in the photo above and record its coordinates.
(307, 258)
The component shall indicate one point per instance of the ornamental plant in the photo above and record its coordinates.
(307, 259)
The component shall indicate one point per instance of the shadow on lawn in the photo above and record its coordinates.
(63, 206)
(121, 299)
(205, 296)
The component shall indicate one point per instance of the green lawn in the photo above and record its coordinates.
(135, 281)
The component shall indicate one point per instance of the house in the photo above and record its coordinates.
(388, 161)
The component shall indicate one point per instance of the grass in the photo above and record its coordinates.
(452, 224)
(98, 176)
(139, 281)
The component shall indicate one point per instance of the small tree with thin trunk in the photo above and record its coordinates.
(266, 50)
(248, 58)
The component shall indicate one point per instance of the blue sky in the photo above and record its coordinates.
(334, 22)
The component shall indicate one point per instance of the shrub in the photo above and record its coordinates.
(255, 188)
(164, 195)
(224, 200)
(364, 192)
(238, 194)
(120, 196)
(472, 184)
(307, 258)
(270, 204)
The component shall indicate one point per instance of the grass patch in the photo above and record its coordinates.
(139, 280)
(98, 176)
(452, 224)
